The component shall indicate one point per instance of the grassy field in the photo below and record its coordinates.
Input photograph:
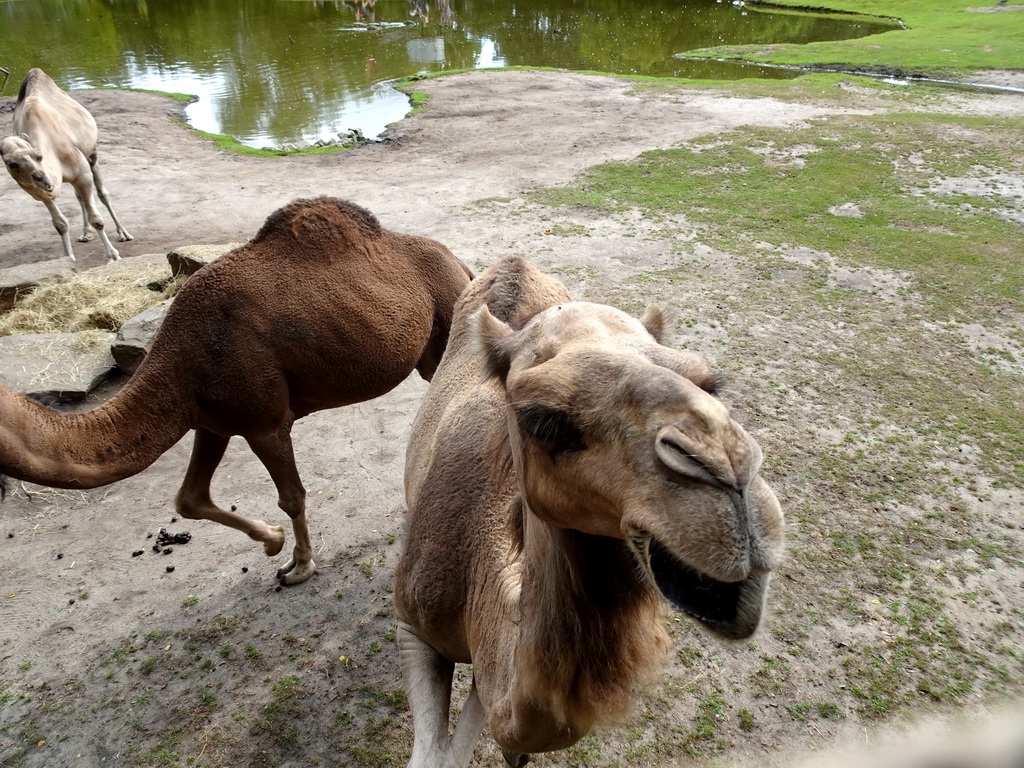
(944, 38)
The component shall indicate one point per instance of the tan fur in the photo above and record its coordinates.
(564, 470)
(321, 309)
(55, 142)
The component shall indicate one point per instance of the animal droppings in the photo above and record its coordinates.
(60, 555)
(10, 535)
(245, 569)
(170, 569)
(234, 508)
(156, 547)
(71, 601)
(174, 519)
(277, 588)
(168, 550)
(137, 552)
(164, 537)
(149, 535)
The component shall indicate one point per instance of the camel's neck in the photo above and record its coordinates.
(590, 630)
(84, 450)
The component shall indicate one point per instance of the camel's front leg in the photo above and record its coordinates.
(194, 502)
(122, 233)
(275, 451)
(60, 223)
(427, 677)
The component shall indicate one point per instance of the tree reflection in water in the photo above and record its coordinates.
(277, 71)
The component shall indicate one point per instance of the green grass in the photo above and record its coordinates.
(942, 39)
(745, 190)
(183, 97)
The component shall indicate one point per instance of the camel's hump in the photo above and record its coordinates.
(305, 219)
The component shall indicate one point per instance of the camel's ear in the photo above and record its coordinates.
(654, 321)
(493, 336)
(26, 138)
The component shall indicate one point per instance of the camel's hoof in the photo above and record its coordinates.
(275, 543)
(296, 573)
(124, 237)
(87, 237)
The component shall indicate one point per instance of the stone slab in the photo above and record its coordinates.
(189, 259)
(21, 279)
(62, 366)
(135, 337)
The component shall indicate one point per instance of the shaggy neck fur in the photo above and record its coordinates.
(590, 629)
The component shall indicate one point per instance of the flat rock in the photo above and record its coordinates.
(135, 337)
(64, 366)
(19, 280)
(145, 267)
(190, 258)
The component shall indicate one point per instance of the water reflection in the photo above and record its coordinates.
(278, 71)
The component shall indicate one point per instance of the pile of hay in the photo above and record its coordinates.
(89, 301)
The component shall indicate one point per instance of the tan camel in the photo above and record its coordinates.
(55, 142)
(564, 469)
(323, 308)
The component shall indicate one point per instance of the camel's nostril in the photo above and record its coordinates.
(680, 454)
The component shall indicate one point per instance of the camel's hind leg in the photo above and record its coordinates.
(87, 233)
(193, 500)
(91, 217)
(275, 451)
(122, 233)
(427, 678)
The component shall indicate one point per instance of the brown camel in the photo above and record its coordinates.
(321, 309)
(56, 142)
(564, 470)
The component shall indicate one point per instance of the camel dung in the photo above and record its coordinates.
(164, 537)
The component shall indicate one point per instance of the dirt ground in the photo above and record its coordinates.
(110, 659)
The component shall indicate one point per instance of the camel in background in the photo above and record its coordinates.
(565, 472)
(322, 308)
(55, 141)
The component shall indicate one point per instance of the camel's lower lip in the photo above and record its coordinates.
(729, 609)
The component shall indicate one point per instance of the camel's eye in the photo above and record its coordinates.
(39, 158)
(13, 166)
(553, 429)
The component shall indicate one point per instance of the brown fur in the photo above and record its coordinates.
(55, 142)
(560, 453)
(323, 308)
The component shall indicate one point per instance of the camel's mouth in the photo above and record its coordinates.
(731, 610)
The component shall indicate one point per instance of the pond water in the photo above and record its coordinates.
(270, 72)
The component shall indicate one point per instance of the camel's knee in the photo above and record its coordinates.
(293, 502)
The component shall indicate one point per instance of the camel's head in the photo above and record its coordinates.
(615, 435)
(25, 163)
